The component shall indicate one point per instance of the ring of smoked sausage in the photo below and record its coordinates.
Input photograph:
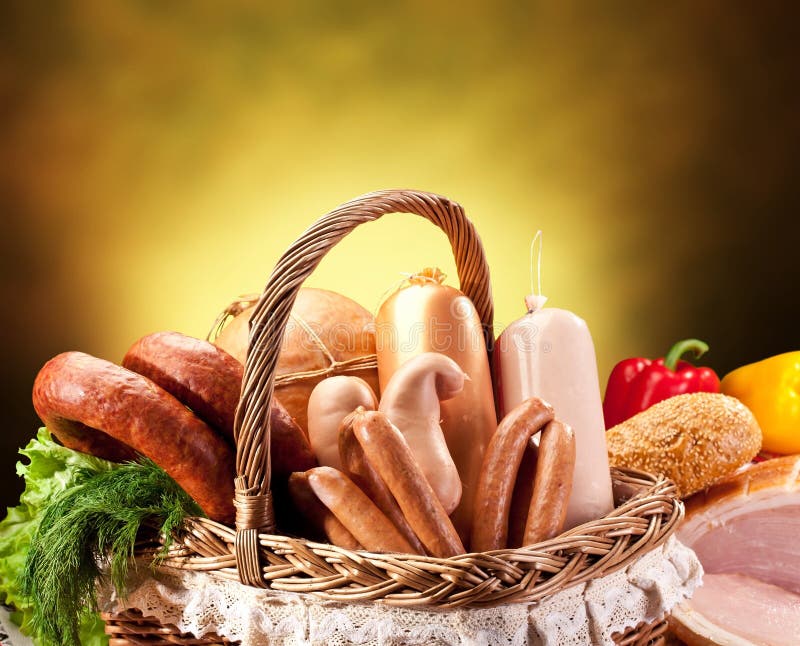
(98, 407)
(209, 380)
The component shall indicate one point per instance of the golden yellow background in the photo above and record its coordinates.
(156, 158)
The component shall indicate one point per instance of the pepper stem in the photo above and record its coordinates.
(682, 347)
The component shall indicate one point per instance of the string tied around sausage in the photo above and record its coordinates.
(334, 367)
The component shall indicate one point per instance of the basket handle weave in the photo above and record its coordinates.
(252, 431)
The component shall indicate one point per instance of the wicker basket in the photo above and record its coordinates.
(254, 555)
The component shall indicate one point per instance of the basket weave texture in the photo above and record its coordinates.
(252, 552)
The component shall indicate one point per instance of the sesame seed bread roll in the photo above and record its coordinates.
(694, 439)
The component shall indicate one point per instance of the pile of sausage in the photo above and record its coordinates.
(374, 475)
(387, 482)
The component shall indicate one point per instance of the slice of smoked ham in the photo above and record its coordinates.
(739, 610)
(745, 532)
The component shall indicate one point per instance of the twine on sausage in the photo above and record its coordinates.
(234, 309)
(334, 367)
(272, 312)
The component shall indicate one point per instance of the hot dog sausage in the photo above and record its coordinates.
(87, 402)
(318, 515)
(355, 465)
(389, 454)
(356, 511)
(499, 472)
(521, 498)
(553, 484)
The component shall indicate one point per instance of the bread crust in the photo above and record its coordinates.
(694, 439)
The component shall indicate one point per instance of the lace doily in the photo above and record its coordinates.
(589, 613)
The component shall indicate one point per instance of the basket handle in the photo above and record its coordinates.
(252, 432)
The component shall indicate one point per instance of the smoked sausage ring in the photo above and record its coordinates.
(197, 373)
(208, 380)
(98, 407)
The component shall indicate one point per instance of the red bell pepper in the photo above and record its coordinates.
(636, 384)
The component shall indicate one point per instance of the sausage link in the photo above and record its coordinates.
(97, 407)
(521, 498)
(319, 517)
(355, 465)
(388, 452)
(553, 484)
(355, 511)
(499, 473)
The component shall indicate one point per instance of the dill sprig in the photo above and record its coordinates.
(97, 518)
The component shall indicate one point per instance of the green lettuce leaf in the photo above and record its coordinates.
(51, 469)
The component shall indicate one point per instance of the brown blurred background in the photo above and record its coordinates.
(155, 158)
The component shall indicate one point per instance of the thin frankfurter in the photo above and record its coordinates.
(553, 484)
(368, 524)
(319, 517)
(499, 473)
(388, 452)
(356, 466)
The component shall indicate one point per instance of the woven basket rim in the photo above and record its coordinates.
(637, 525)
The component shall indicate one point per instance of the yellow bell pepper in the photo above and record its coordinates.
(771, 389)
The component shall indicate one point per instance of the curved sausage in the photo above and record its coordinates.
(388, 452)
(523, 491)
(289, 449)
(411, 402)
(318, 515)
(499, 473)
(209, 380)
(198, 373)
(553, 484)
(355, 511)
(330, 401)
(97, 407)
(355, 465)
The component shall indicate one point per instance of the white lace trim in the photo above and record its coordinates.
(590, 613)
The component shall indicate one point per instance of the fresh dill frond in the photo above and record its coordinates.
(100, 517)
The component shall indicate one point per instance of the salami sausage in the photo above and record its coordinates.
(198, 373)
